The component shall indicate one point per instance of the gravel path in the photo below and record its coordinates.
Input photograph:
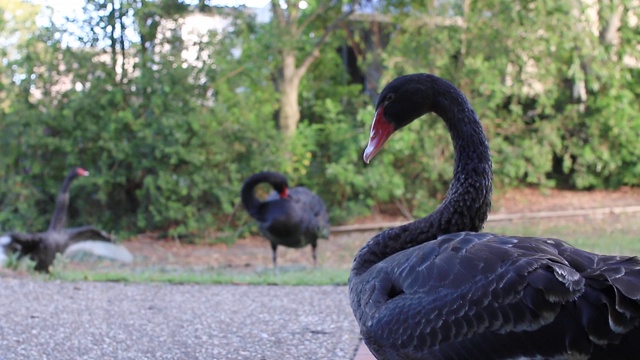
(60, 320)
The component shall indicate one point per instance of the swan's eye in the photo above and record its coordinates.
(389, 98)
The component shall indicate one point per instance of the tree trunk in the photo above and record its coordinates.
(289, 116)
(373, 72)
(610, 32)
(291, 27)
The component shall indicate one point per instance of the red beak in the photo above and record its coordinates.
(285, 193)
(381, 129)
(82, 172)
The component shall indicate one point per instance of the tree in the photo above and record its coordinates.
(169, 139)
(17, 25)
(300, 39)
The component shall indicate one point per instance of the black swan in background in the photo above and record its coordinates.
(42, 247)
(289, 217)
(437, 289)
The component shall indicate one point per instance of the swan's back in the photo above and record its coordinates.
(302, 213)
(486, 296)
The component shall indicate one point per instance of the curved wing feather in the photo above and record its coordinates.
(88, 232)
(471, 295)
(316, 218)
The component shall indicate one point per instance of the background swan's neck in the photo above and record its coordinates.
(249, 199)
(468, 200)
(59, 218)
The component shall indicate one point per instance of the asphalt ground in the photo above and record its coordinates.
(99, 320)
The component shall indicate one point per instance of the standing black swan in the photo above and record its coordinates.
(289, 217)
(42, 247)
(437, 289)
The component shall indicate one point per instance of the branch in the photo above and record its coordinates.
(293, 10)
(278, 12)
(313, 16)
(404, 209)
(231, 74)
(609, 34)
(315, 52)
(353, 43)
(425, 20)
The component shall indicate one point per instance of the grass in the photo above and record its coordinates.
(282, 276)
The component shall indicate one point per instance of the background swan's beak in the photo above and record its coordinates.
(381, 129)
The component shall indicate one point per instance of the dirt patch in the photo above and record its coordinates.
(533, 200)
(252, 253)
(255, 252)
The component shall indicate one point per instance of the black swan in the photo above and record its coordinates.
(289, 217)
(42, 247)
(437, 289)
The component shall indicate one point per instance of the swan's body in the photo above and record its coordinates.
(42, 247)
(293, 217)
(437, 289)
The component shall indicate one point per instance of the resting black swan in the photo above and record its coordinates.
(42, 247)
(437, 289)
(289, 217)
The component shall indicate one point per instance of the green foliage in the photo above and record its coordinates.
(169, 142)
(159, 159)
(522, 64)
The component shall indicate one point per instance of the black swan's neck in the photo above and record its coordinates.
(249, 199)
(247, 194)
(468, 200)
(59, 218)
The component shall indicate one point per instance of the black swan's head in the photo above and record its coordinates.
(78, 171)
(281, 187)
(403, 100)
(276, 180)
